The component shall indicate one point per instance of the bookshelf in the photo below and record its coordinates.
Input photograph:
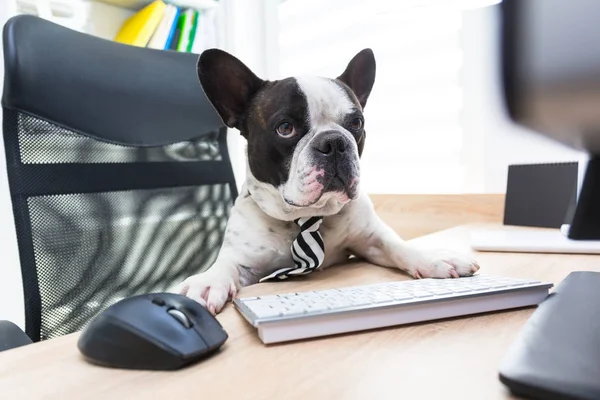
(138, 4)
(102, 18)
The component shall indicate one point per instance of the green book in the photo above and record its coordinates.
(193, 31)
(186, 23)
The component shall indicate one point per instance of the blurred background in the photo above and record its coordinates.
(435, 120)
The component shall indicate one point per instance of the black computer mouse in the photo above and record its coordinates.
(158, 331)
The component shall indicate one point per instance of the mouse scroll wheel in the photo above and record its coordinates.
(181, 317)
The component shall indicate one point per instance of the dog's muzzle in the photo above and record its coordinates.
(335, 153)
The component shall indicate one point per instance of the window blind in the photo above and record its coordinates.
(413, 117)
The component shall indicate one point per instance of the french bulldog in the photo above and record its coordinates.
(305, 137)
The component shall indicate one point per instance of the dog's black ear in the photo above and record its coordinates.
(228, 83)
(360, 75)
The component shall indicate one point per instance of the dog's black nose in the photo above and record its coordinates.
(330, 143)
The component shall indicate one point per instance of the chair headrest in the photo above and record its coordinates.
(103, 89)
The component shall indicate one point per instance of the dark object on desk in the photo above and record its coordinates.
(585, 224)
(550, 84)
(557, 354)
(118, 170)
(160, 331)
(12, 336)
(540, 195)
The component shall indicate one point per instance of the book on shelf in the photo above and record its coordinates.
(187, 19)
(161, 37)
(139, 28)
(193, 28)
(165, 26)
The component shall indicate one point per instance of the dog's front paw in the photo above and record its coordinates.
(443, 264)
(211, 289)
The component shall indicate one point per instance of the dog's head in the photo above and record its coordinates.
(305, 134)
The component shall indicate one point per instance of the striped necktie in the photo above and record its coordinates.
(308, 250)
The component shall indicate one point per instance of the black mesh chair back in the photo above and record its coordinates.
(118, 169)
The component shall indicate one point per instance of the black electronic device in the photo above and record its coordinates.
(158, 331)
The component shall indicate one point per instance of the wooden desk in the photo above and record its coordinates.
(451, 359)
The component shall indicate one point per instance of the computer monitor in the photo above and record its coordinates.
(551, 82)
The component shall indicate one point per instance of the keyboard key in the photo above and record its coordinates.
(403, 296)
(461, 290)
(514, 284)
(480, 285)
(361, 301)
(299, 309)
(381, 298)
(336, 304)
(480, 289)
(317, 308)
(265, 311)
(268, 298)
(441, 291)
(423, 294)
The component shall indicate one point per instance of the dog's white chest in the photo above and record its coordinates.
(261, 244)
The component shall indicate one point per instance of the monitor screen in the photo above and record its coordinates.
(551, 68)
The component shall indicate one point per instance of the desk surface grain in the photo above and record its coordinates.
(450, 359)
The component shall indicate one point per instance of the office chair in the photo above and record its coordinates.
(118, 169)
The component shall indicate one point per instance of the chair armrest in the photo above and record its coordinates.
(12, 336)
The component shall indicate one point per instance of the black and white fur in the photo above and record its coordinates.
(305, 139)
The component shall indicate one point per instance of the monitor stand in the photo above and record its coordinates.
(581, 237)
(585, 224)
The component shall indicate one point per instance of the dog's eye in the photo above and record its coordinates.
(356, 123)
(286, 130)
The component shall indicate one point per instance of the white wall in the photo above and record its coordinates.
(492, 141)
(412, 116)
(413, 131)
(251, 36)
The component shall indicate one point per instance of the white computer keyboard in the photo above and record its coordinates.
(293, 316)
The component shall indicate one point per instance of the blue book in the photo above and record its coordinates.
(172, 30)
